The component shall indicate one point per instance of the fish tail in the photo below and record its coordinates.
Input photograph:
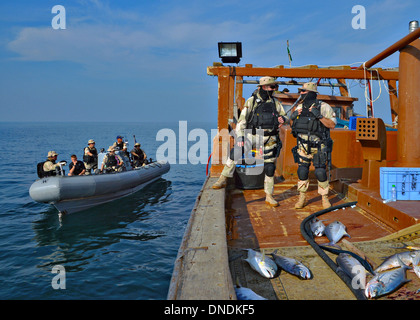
(332, 244)
(402, 264)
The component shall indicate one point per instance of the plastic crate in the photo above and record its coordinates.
(353, 122)
(406, 180)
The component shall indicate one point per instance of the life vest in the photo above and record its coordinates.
(140, 154)
(264, 116)
(119, 146)
(90, 159)
(111, 161)
(307, 123)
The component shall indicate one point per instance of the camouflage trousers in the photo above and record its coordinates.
(317, 155)
(89, 167)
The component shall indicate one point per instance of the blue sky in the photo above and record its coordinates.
(146, 60)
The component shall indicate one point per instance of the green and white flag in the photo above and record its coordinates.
(288, 53)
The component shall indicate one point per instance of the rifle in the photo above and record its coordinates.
(329, 144)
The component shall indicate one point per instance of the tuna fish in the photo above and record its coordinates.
(317, 227)
(335, 231)
(392, 261)
(361, 260)
(386, 282)
(292, 266)
(243, 293)
(416, 266)
(262, 264)
(352, 267)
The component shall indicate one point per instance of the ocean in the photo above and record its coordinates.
(125, 249)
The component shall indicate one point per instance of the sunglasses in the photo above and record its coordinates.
(274, 86)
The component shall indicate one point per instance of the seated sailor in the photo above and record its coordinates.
(76, 167)
(49, 167)
(112, 161)
(139, 156)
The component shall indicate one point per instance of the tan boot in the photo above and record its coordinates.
(302, 201)
(221, 183)
(270, 200)
(325, 202)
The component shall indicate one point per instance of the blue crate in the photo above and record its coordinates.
(406, 180)
(353, 122)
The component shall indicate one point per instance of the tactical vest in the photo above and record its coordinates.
(111, 161)
(119, 146)
(90, 159)
(264, 116)
(307, 123)
(140, 154)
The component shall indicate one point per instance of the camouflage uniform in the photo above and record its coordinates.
(91, 165)
(50, 165)
(269, 142)
(305, 158)
(312, 148)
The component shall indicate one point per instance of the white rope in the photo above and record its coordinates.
(367, 98)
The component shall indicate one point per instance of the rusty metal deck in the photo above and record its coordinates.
(253, 224)
(210, 259)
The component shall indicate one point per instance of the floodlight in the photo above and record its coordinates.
(230, 52)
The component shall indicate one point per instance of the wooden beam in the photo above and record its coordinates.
(393, 98)
(306, 72)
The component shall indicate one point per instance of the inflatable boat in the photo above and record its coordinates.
(71, 194)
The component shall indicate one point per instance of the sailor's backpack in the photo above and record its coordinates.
(40, 169)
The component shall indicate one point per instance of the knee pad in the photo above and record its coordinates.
(321, 174)
(269, 169)
(303, 172)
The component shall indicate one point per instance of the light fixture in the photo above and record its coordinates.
(230, 52)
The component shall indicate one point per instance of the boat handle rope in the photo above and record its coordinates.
(307, 234)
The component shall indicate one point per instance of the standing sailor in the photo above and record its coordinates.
(261, 111)
(312, 121)
(90, 157)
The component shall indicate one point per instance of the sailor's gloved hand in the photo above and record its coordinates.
(316, 112)
(294, 115)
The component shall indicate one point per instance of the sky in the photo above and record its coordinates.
(137, 60)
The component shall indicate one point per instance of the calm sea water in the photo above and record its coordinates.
(121, 250)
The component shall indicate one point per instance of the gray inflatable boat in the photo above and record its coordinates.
(77, 193)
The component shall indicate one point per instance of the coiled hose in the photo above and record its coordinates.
(307, 234)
